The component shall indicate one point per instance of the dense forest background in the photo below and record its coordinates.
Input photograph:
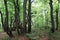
(34, 19)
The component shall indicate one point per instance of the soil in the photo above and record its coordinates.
(21, 37)
(3, 34)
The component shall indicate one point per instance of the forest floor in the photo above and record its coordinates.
(2, 34)
(21, 37)
(37, 34)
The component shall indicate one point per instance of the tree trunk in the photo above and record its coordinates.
(17, 17)
(52, 18)
(24, 17)
(57, 10)
(11, 21)
(56, 19)
(29, 17)
(6, 21)
(1, 17)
